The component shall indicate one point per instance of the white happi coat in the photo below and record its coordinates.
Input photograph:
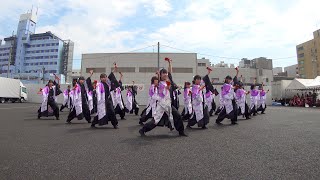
(45, 95)
(227, 96)
(241, 99)
(76, 98)
(164, 104)
(129, 100)
(152, 101)
(197, 102)
(187, 100)
(254, 96)
(117, 98)
(262, 99)
(101, 101)
(67, 98)
(209, 96)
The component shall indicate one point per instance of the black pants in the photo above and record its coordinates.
(253, 111)
(122, 112)
(232, 115)
(218, 110)
(85, 113)
(262, 109)
(144, 116)
(185, 115)
(178, 124)
(135, 109)
(203, 122)
(53, 106)
(213, 109)
(110, 116)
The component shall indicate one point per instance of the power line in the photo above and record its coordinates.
(222, 57)
(118, 54)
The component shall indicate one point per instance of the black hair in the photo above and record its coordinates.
(196, 77)
(162, 71)
(186, 83)
(153, 79)
(103, 75)
(252, 86)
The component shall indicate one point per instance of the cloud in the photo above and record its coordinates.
(158, 8)
(230, 28)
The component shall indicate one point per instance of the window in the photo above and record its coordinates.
(24, 90)
(147, 69)
(57, 44)
(201, 64)
(45, 63)
(38, 51)
(55, 63)
(301, 62)
(215, 80)
(51, 63)
(42, 51)
(267, 79)
(38, 45)
(260, 72)
(41, 63)
(300, 48)
(47, 50)
(125, 69)
(47, 44)
(182, 70)
(56, 50)
(301, 55)
(52, 50)
(52, 44)
(55, 56)
(98, 70)
(46, 57)
(36, 64)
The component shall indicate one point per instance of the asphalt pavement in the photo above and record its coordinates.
(282, 144)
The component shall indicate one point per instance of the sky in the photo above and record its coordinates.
(220, 30)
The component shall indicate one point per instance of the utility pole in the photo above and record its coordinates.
(43, 69)
(158, 56)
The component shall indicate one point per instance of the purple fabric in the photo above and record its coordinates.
(101, 88)
(162, 89)
(195, 90)
(151, 90)
(186, 92)
(226, 89)
(129, 93)
(66, 92)
(254, 92)
(262, 93)
(46, 90)
(239, 93)
(208, 94)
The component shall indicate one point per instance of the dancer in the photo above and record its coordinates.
(82, 100)
(49, 105)
(166, 114)
(262, 99)
(187, 110)
(116, 94)
(149, 112)
(131, 104)
(67, 102)
(253, 99)
(105, 111)
(240, 98)
(228, 110)
(200, 114)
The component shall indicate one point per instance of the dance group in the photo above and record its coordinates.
(104, 100)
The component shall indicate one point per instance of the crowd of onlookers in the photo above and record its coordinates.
(306, 99)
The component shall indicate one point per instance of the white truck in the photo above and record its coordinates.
(12, 90)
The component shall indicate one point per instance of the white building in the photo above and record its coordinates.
(140, 67)
(292, 71)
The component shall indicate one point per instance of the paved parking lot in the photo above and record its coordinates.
(282, 144)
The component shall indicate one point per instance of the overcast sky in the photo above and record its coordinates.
(221, 30)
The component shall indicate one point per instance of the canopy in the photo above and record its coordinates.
(304, 84)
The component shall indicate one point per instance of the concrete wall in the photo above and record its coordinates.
(278, 89)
